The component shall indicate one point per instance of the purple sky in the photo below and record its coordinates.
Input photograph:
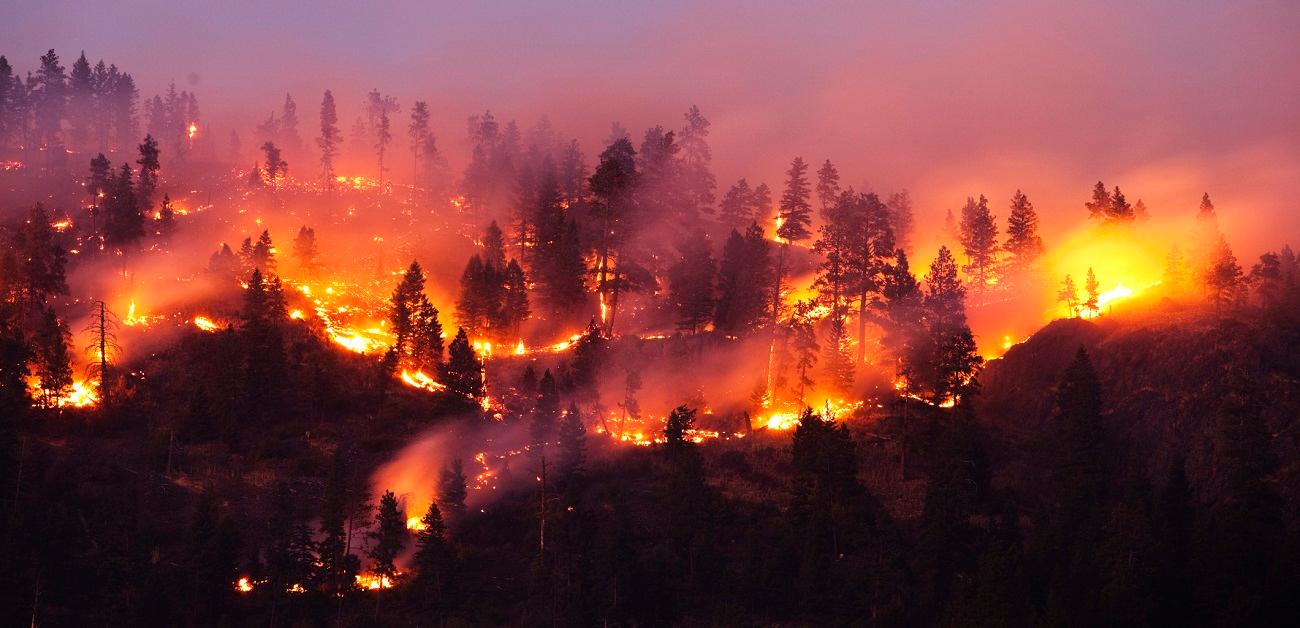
(949, 98)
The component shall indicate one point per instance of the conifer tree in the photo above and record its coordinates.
(124, 218)
(1223, 278)
(1099, 207)
(744, 275)
(276, 167)
(306, 251)
(462, 373)
(761, 203)
(690, 283)
(147, 181)
(979, 233)
(418, 131)
(697, 179)
(901, 218)
(572, 459)
(289, 135)
(433, 552)
(828, 186)
(389, 536)
(795, 216)
(837, 362)
(1023, 242)
(330, 137)
(452, 489)
(1120, 209)
(1092, 293)
(54, 365)
(1069, 295)
(735, 210)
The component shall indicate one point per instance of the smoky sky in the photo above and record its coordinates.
(949, 98)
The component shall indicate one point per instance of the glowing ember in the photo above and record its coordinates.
(244, 585)
(204, 323)
(193, 130)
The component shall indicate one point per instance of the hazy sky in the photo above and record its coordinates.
(950, 98)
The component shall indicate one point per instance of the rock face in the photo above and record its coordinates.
(1165, 375)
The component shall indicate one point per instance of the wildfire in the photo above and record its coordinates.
(416, 524)
(418, 379)
(204, 323)
(134, 319)
(520, 349)
(245, 585)
(374, 581)
(193, 130)
(357, 183)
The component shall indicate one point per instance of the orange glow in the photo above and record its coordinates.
(204, 323)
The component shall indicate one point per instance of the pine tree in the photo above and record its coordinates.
(306, 251)
(124, 218)
(1223, 278)
(389, 536)
(262, 254)
(462, 373)
(1069, 295)
(691, 283)
(979, 233)
(546, 415)
(901, 218)
(795, 215)
(418, 131)
(743, 276)
(452, 489)
(1092, 302)
(336, 566)
(572, 457)
(330, 137)
(1120, 209)
(803, 343)
(289, 135)
(433, 552)
(697, 179)
(276, 167)
(736, 208)
(514, 304)
(943, 362)
(1023, 242)
(426, 336)
(50, 90)
(406, 307)
(837, 362)
(1099, 207)
(53, 365)
(828, 187)
(147, 181)
(42, 263)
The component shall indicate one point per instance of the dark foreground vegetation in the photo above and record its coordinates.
(1134, 471)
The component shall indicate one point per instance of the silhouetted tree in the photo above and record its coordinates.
(389, 536)
(979, 240)
(330, 137)
(462, 373)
